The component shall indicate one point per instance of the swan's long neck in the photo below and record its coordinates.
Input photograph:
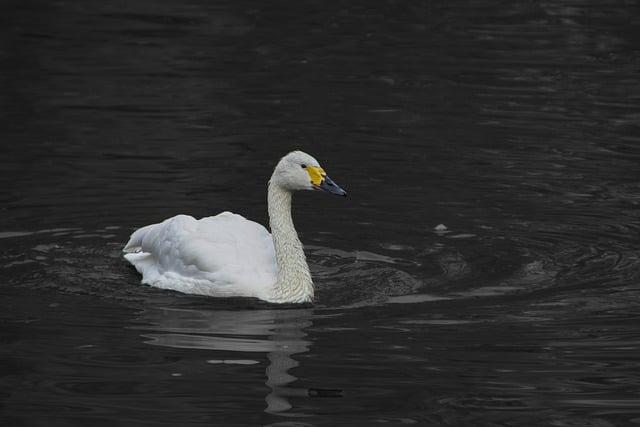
(294, 279)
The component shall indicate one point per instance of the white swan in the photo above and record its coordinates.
(227, 255)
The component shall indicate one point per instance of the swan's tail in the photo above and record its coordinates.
(141, 260)
(135, 241)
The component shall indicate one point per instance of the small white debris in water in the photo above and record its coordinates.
(441, 229)
(176, 374)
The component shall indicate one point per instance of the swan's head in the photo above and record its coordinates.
(300, 171)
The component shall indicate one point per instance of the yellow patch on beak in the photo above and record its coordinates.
(316, 174)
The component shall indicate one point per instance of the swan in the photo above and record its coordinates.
(227, 255)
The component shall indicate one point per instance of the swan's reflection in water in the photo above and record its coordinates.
(279, 333)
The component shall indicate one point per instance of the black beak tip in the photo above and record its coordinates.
(331, 187)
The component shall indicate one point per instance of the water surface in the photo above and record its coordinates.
(483, 270)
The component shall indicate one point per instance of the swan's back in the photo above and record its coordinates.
(222, 255)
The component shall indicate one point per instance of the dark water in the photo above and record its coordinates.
(514, 124)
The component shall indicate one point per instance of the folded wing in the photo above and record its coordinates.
(223, 255)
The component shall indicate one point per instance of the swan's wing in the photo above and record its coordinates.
(226, 253)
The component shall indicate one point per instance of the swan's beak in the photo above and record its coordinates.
(331, 187)
(321, 181)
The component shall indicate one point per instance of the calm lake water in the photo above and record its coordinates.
(515, 125)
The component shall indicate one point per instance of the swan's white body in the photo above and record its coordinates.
(222, 255)
(227, 255)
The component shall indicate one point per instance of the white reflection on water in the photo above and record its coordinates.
(279, 333)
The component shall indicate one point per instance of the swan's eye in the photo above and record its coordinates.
(303, 166)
